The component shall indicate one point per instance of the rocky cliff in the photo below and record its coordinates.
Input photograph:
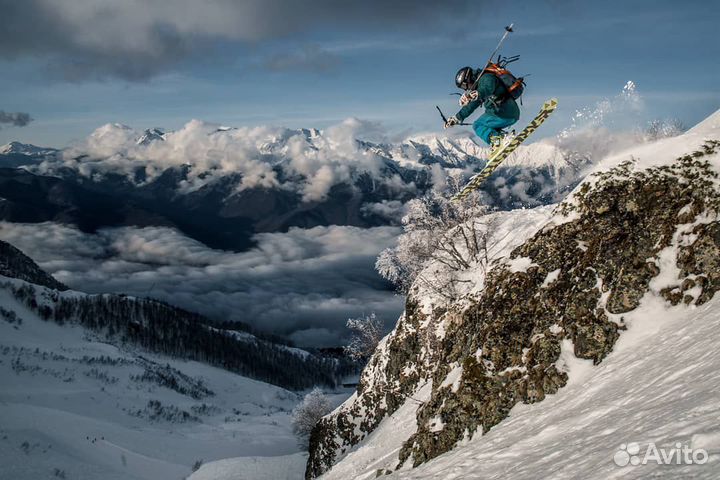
(645, 223)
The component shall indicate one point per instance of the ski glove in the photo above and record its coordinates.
(451, 122)
(467, 97)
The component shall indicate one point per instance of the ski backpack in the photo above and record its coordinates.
(515, 85)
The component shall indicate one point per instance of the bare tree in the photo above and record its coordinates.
(453, 235)
(367, 331)
(314, 406)
(663, 128)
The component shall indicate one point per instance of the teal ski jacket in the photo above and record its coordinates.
(490, 85)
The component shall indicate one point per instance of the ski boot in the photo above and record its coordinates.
(499, 141)
(496, 142)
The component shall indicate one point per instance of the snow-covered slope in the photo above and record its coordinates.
(72, 403)
(286, 467)
(666, 151)
(563, 350)
(660, 384)
(162, 328)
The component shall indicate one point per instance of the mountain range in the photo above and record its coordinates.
(222, 185)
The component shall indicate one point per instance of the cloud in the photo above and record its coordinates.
(303, 284)
(16, 119)
(391, 210)
(136, 39)
(310, 58)
(312, 162)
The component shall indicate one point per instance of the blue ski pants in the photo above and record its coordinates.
(489, 124)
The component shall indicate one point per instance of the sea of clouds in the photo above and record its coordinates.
(303, 284)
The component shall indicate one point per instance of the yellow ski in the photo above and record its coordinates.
(502, 153)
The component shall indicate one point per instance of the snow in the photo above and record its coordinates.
(25, 149)
(577, 369)
(508, 230)
(660, 384)
(707, 127)
(659, 153)
(520, 264)
(551, 277)
(286, 467)
(308, 162)
(436, 424)
(453, 378)
(666, 259)
(55, 413)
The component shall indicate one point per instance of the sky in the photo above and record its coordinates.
(70, 66)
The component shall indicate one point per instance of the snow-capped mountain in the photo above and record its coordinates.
(16, 154)
(595, 333)
(151, 135)
(208, 149)
(26, 149)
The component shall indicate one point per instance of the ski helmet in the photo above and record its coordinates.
(464, 78)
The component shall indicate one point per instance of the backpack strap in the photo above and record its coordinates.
(498, 71)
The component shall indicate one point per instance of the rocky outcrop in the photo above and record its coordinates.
(566, 288)
(384, 386)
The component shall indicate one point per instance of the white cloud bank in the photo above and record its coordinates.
(303, 283)
(311, 161)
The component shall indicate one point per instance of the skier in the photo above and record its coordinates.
(501, 109)
(497, 90)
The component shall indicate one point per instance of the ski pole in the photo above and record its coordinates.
(445, 118)
(508, 30)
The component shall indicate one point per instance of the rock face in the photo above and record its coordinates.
(625, 231)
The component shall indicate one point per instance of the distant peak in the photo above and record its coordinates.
(25, 149)
(150, 135)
